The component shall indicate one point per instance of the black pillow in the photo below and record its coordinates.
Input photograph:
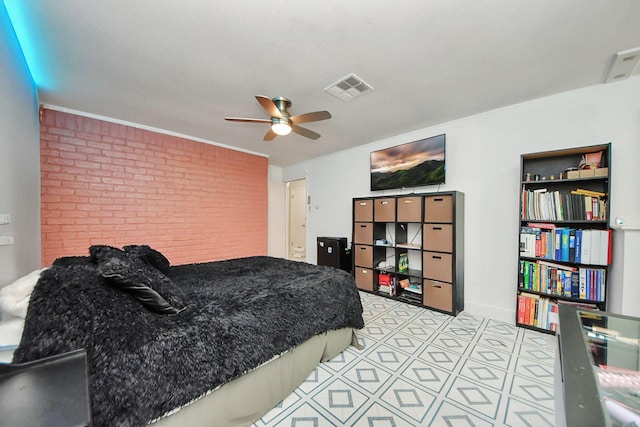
(67, 261)
(150, 256)
(146, 284)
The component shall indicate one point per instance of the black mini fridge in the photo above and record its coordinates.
(333, 252)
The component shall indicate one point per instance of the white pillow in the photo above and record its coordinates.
(11, 332)
(14, 298)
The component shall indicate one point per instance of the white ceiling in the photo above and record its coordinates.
(183, 65)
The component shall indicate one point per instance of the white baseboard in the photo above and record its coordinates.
(491, 312)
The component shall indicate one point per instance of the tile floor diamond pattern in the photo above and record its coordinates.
(340, 400)
(527, 414)
(452, 416)
(536, 354)
(440, 357)
(366, 376)
(535, 371)
(409, 399)
(418, 332)
(377, 415)
(425, 368)
(475, 396)
(428, 376)
(451, 343)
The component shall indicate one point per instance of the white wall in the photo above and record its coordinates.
(626, 252)
(19, 159)
(483, 161)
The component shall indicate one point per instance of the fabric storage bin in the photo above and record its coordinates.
(364, 256)
(385, 210)
(364, 278)
(437, 266)
(363, 233)
(438, 208)
(363, 210)
(409, 209)
(437, 295)
(438, 237)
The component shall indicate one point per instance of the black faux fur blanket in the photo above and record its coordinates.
(239, 314)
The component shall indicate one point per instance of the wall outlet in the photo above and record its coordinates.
(6, 240)
(5, 219)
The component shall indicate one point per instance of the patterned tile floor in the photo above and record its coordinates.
(424, 368)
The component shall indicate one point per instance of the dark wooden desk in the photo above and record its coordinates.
(599, 359)
(49, 392)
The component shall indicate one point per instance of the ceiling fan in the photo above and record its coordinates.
(282, 123)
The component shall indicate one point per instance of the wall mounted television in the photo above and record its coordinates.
(413, 164)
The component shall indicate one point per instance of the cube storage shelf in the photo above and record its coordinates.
(411, 248)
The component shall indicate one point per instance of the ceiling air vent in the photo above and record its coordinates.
(623, 65)
(349, 87)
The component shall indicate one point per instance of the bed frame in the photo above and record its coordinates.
(246, 399)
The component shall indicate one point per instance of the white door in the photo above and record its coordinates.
(297, 195)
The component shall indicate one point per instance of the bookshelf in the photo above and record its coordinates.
(565, 238)
(410, 248)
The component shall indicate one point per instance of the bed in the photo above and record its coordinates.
(217, 343)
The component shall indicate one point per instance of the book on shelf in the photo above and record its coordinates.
(578, 205)
(585, 247)
(392, 287)
(595, 246)
(562, 280)
(572, 245)
(537, 311)
(576, 245)
(416, 288)
(604, 249)
(404, 283)
(588, 208)
(588, 192)
(580, 305)
(564, 244)
(528, 238)
(544, 225)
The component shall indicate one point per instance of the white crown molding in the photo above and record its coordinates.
(148, 128)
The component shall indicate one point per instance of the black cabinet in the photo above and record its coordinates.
(333, 252)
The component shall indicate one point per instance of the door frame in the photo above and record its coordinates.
(289, 252)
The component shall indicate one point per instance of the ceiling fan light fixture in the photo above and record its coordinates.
(281, 126)
(282, 123)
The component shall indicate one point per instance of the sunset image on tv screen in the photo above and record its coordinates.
(412, 164)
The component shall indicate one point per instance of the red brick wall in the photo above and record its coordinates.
(107, 183)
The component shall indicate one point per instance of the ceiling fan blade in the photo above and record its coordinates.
(310, 117)
(304, 132)
(269, 105)
(269, 135)
(241, 119)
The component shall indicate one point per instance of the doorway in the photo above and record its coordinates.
(297, 220)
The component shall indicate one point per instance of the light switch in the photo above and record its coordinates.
(5, 219)
(6, 240)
